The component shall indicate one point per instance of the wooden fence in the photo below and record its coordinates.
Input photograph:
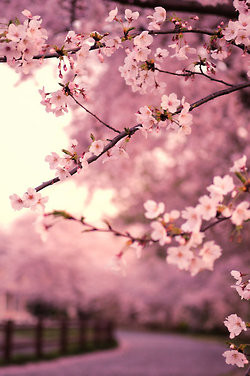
(46, 336)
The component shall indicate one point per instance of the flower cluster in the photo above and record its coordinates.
(23, 42)
(242, 287)
(56, 102)
(31, 199)
(173, 113)
(191, 253)
(236, 325)
(239, 31)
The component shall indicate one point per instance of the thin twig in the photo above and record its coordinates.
(223, 10)
(214, 223)
(219, 94)
(191, 73)
(95, 116)
(177, 31)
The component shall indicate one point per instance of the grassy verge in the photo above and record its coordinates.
(72, 350)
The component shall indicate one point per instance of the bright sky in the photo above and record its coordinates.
(28, 134)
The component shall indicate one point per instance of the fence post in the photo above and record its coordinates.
(8, 340)
(39, 338)
(98, 333)
(82, 339)
(109, 332)
(64, 335)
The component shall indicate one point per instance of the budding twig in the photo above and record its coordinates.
(95, 116)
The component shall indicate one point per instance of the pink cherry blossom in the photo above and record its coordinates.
(153, 209)
(207, 207)
(31, 198)
(161, 54)
(231, 30)
(159, 16)
(172, 216)
(159, 233)
(241, 213)
(143, 40)
(239, 165)
(235, 325)
(193, 217)
(97, 147)
(16, 32)
(234, 357)
(131, 16)
(62, 173)
(112, 15)
(170, 102)
(221, 186)
(237, 276)
(54, 160)
(180, 256)
(209, 253)
(17, 202)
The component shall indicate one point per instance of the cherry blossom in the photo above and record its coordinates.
(131, 16)
(97, 147)
(170, 102)
(241, 213)
(143, 40)
(159, 233)
(161, 54)
(235, 357)
(239, 165)
(153, 209)
(221, 186)
(54, 160)
(17, 202)
(207, 207)
(180, 256)
(235, 325)
(193, 217)
(112, 15)
(209, 253)
(159, 16)
(237, 276)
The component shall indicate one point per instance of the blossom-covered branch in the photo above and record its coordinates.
(127, 133)
(191, 252)
(188, 73)
(224, 10)
(92, 114)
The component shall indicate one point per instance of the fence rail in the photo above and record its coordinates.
(39, 338)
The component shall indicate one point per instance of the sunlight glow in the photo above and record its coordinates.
(28, 135)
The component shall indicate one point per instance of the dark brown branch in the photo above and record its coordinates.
(110, 145)
(188, 73)
(91, 113)
(200, 31)
(131, 131)
(222, 10)
(205, 228)
(219, 94)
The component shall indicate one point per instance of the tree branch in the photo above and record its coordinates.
(110, 145)
(91, 113)
(205, 228)
(223, 10)
(129, 132)
(219, 94)
(191, 73)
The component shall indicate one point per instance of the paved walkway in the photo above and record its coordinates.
(140, 354)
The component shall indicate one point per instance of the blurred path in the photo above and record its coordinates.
(139, 354)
